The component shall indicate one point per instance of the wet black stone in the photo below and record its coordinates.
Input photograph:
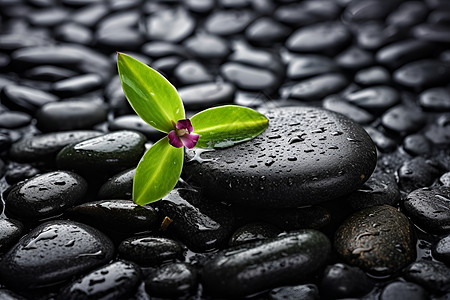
(26, 99)
(135, 123)
(403, 290)
(374, 35)
(305, 292)
(441, 250)
(90, 15)
(339, 105)
(304, 13)
(20, 172)
(417, 144)
(5, 141)
(74, 33)
(318, 87)
(201, 226)
(354, 59)
(172, 281)
(422, 74)
(432, 275)
(104, 155)
(120, 186)
(381, 188)
(408, 14)
(367, 241)
(54, 252)
(402, 119)
(361, 11)
(191, 72)
(376, 75)
(10, 232)
(326, 38)
(432, 32)
(116, 217)
(343, 281)
(14, 119)
(78, 3)
(45, 147)
(48, 17)
(49, 73)
(166, 65)
(417, 173)
(171, 25)
(304, 66)
(205, 95)
(149, 250)
(228, 22)
(9, 295)
(70, 115)
(375, 99)
(429, 208)
(208, 46)
(257, 58)
(117, 280)
(397, 54)
(200, 6)
(283, 166)
(445, 179)
(13, 41)
(250, 78)
(266, 32)
(383, 142)
(120, 19)
(160, 49)
(77, 85)
(62, 56)
(117, 38)
(45, 195)
(435, 99)
(439, 132)
(253, 232)
(439, 17)
(261, 265)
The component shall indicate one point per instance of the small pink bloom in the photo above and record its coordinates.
(182, 135)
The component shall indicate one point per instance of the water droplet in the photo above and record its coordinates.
(197, 156)
(48, 234)
(292, 158)
(59, 183)
(361, 250)
(333, 147)
(70, 243)
(308, 150)
(272, 137)
(336, 133)
(269, 162)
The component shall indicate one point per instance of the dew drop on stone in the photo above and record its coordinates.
(336, 133)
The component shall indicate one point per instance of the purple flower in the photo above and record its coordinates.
(182, 134)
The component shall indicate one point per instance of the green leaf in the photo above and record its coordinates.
(152, 96)
(225, 126)
(157, 172)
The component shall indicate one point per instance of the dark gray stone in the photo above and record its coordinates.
(171, 25)
(191, 72)
(120, 186)
(74, 33)
(298, 14)
(376, 75)
(208, 46)
(422, 74)
(304, 292)
(10, 232)
(417, 144)
(435, 99)
(266, 32)
(432, 32)
(318, 87)
(374, 35)
(19, 172)
(135, 123)
(206, 95)
(417, 173)
(441, 250)
(403, 290)
(250, 78)
(49, 73)
(24, 98)
(408, 14)
(228, 22)
(354, 58)
(304, 66)
(375, 99)
(353, 112)
(383, 142)
(397, 54)
(10, 295)
(432, 275)
(253, 232)
(402, 119)
(14, 119)
(77, 85)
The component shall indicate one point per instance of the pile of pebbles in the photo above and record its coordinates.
(345, 195)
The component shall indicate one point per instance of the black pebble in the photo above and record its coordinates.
(432, 275)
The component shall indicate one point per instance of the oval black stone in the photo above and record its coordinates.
(266, 32)
(375, 99)
(24, 98)
(120, 186)
(10, 232)
(208, 46)
(353, 112)
(432, 275)
(253, 232)
(397, 54)
(14, 119)
(304, 66)
(402, 119)
(422, 74)
(403, 290)
(228, 22)
(441, 250)
(77, 85)
(171, 25)
(417, 173)
(205, 95)
(318, 87)
(304, 291)
(435, 99)
(135, 123)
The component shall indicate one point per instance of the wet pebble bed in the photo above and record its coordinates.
(345, 195)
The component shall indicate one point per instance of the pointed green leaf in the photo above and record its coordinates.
(152, 96)
(227, 125)
(157, 172)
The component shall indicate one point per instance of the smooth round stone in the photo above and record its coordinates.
(125, 39)
(354, 58)
(381, 188)
(253, 232)
(298, 14)
(206, 95)
(403, 290)
(374, 35)
(198, 224)
(200, 6)
(397, 54)
(106, 154)
(15, 40)
(23, 98)
(372, 76)
(10, 232)
(77, 85)
(445, 179)
(208, 46)
(417, 173)
(160, 49)
(149, 250)
(402, 119)
(116, 217)
(353, 112)
(250, 78)
(191, 72)
(90, 15)
(228, 22)
(70, 115)
(432, 32)
(171, 25)
(20, 172)
(257, 58)
(266, 32)
(73, 33)
(305, 292)
(368, 10)
(53, 252)
(326, 38)
(14, 119)
(441, 250)
(438, 132)
(367, 241)
(304, 66)
(120, 19)
(120, 186)
(45, 195)
(429, 208)
(49, 73)
(408, 14)
(48, 17)
(432, 275)
(261, 265)
(318, 87)
(117, 280)
(383, 142)
(63, 56)
(285, 166)
(135, 123)
(166, 65)
(5, 141)
(9, 295)
(435, 99)
(422, 74)
(417, 144)
(45, 147)
(343, 281)
(172, 281)
(375, 99)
